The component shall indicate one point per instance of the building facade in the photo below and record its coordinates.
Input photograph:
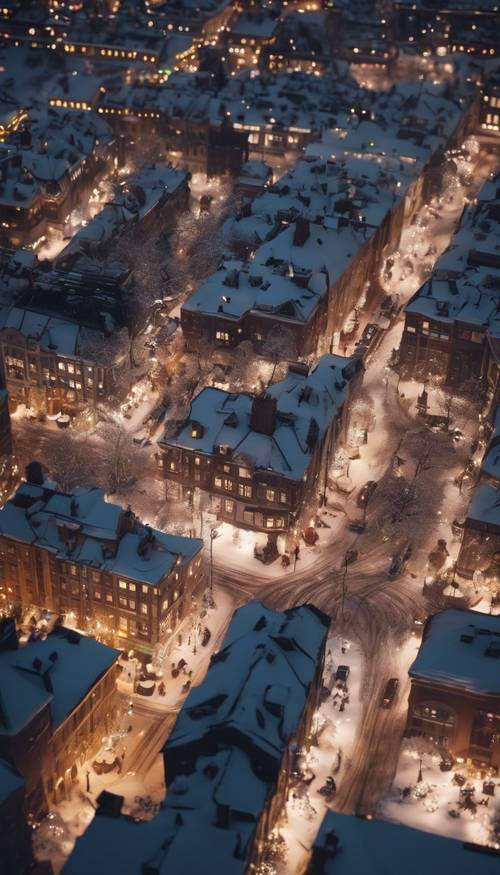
(58, 699)
(263, 459)
(90, 560)
(455, 686)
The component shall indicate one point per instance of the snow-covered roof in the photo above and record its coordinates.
(141, 193)
(83, 528)
(485, 505)
(369, 846)
(465, 283)
(306, 404)
(58, 672)
(259, 678)
(275, 286)
(239, 722)
(490, 464)
(50, 332)
(460, 649)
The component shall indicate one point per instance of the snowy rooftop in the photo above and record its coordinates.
(370, 846)
(273, 284)
(465, 284)
(460, 649)
(306, 406)
(84, 528)
(60, 143)
(247, 708)
(490, 464)
(257, 684)
(139, 194)
(58, 671)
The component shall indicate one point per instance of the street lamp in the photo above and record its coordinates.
(214, 533)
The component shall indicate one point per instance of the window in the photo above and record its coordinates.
(73, 570)
(122, 601)
(109, 597)
(145, 590)
(227, 469)
(131, 605)
(131, 587)
(144, 608)
(270, 495)
(228, 484)
(244, 490)
(164, 605)
(222, 336)
(228, 505)
(476, 337)
(283, 498)
(425, 327)
(122, 584)
(410, 329)
(244, 473)
(218, 482)
(197, 460)
(123, 623)
(97, 594)
(248, 517)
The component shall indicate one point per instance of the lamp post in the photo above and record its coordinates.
(214, 533)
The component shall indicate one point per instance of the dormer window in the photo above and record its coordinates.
(196, 430)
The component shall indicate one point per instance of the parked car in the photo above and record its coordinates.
(366, 492)
(390, 691)
(342, 674)
(447, 762)
(368, 336)
(399, 561)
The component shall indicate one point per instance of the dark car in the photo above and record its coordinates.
(366, 492)
(369, 335)
(390, 691)
(447, 762)
(342, 674)
(399, 560)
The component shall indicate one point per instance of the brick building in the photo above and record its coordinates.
(229, 758)
(455, 686)
(262, 458)
(58, 698)
(81, 556)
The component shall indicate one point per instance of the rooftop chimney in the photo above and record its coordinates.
(263, 416)
(109, 804)
(34, 473)
(301, 232)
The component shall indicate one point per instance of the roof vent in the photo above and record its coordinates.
(493, 650)
(467, 638)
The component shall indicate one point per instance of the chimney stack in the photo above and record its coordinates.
(301, 232)
(263, 416)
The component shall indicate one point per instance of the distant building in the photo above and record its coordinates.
(348, 844)
(470, 27)
(452, 324)
(47, 169)
(147, 201)
(490, 105)
(229, 758)
(455, 686)
(81, 555)
(58, 699)
(263, 458)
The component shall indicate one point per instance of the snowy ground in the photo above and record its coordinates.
(433, 804)
(332, 739)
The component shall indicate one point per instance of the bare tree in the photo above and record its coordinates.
(280, 345)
